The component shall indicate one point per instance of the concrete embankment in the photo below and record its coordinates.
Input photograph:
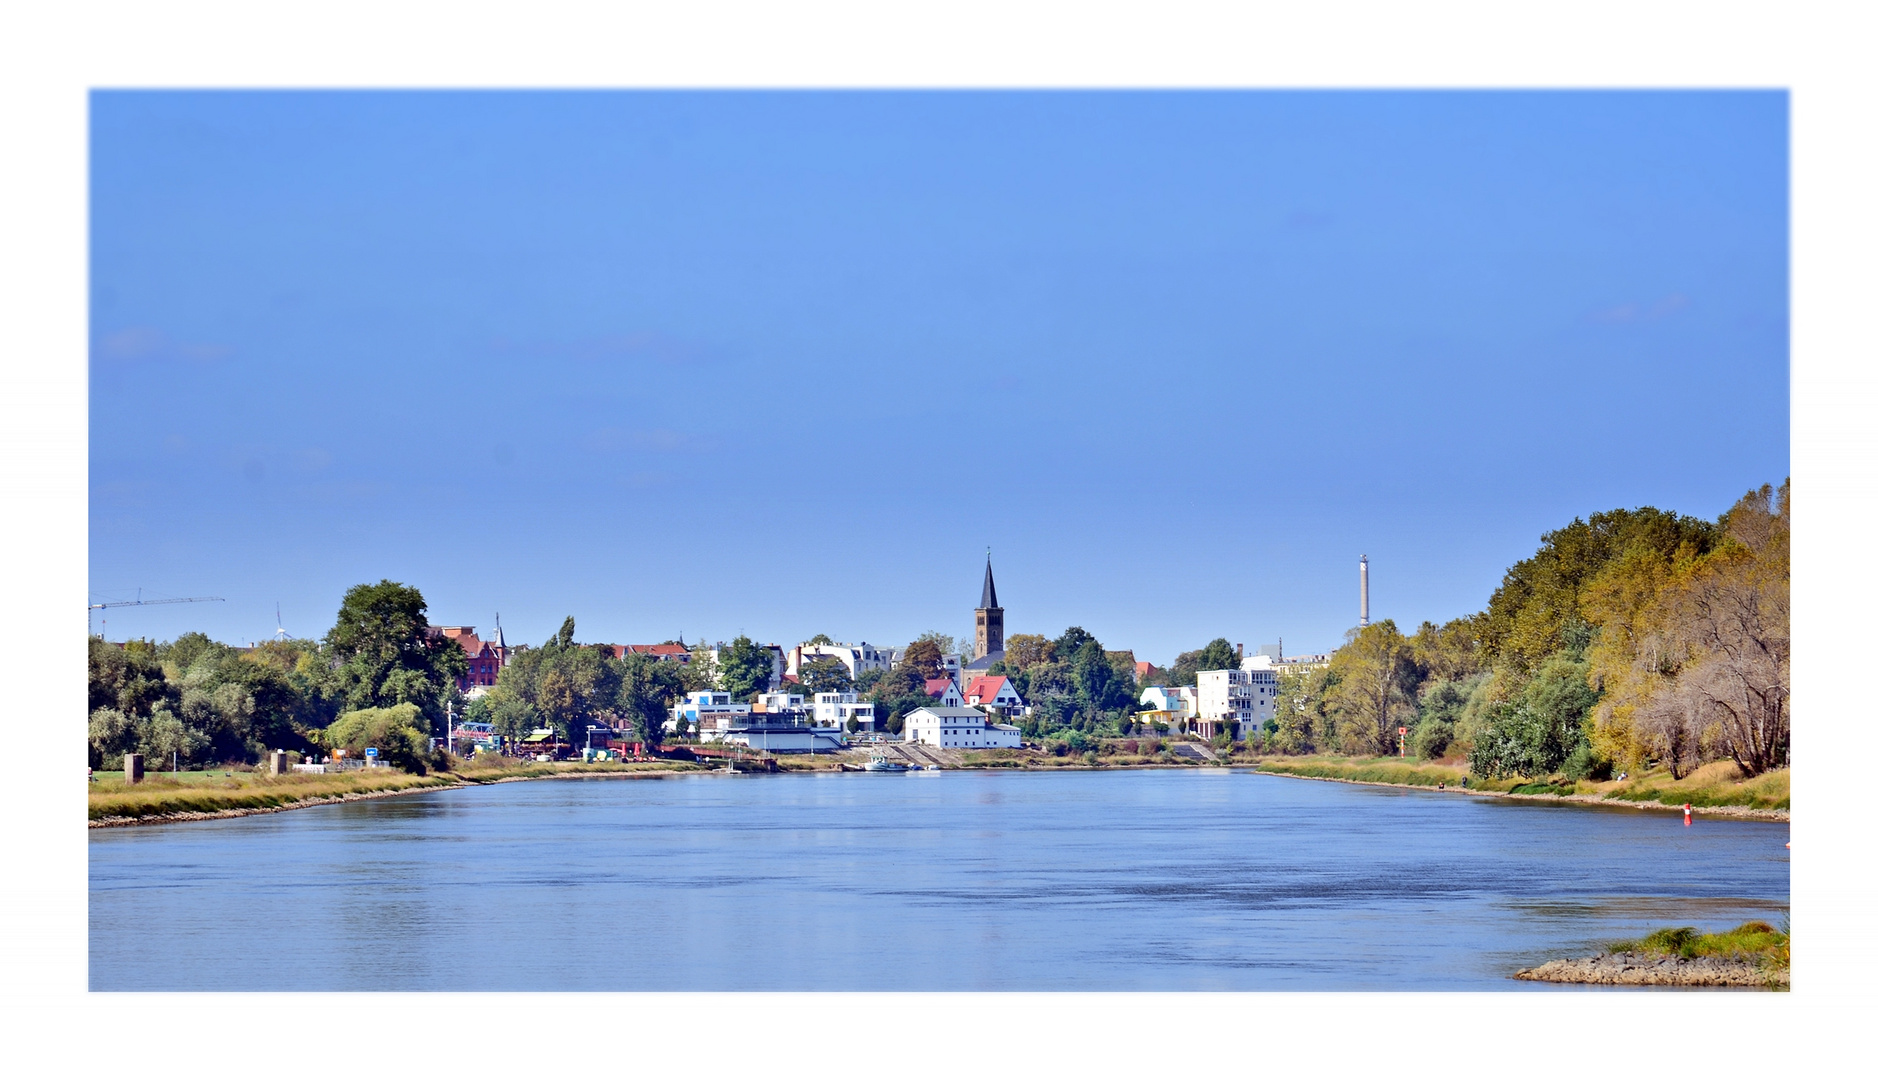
(1640, 969)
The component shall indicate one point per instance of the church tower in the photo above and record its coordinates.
(989, 621)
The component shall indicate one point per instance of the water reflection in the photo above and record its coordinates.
(1180, 880)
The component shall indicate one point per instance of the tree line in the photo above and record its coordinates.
(1629, 638)
(194, 701)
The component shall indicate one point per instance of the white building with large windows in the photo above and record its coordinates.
(1262, 674)
(709, 713)
(1225, 702)
(963, 728)
(1179, 701)
(837, 710)
(858, 659)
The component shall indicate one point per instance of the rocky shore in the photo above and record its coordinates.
(1646, 969)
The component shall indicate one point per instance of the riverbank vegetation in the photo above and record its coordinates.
(1753, 940)
(1633, 642)
(215, 791)
(1718, 784)
(1633, 655)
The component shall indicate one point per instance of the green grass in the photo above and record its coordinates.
(1544, 787)
(1376, 770)
(219, 790)
(159, 794)
(1715, 784)
(1754, 940)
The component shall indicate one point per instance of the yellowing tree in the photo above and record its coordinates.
(1695, 651)
(1371, 697)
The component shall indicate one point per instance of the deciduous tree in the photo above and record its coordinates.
(384, 657)
(1372, 694)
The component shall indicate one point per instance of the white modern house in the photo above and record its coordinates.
(1262, 670)
(835, 710)
(710, 711)
(780, 703)
(963, 729)
(758, 732)
(777, 722)
(1225, 702)
(858, 659)
(1180, 700)
(995, 692)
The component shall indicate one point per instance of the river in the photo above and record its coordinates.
(1192, 879)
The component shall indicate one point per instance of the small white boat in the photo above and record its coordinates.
(880, 764)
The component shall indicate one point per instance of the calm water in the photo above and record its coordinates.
(1165, 880)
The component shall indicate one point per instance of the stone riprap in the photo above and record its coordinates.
(1648, 969)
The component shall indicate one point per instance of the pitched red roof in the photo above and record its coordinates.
(661, 652)
(985, 688)
(935, 687)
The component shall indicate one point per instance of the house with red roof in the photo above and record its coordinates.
(994, 692)
(486, 658)
(946, 690)
(676, 653)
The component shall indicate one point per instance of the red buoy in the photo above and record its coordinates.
(1685, 813)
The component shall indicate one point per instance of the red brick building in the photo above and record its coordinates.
(486, 658)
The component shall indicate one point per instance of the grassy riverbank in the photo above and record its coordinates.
(1753, 954)
(1755, 940)
(1716, 785)
(164, 796)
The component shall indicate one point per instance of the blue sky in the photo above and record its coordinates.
(789, 363)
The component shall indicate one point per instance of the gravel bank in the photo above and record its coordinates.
(1639, 969)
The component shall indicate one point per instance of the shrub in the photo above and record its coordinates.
(1676, 939)
(1432, 738)
(399, 733)
(1131, 747)
(1584, 763)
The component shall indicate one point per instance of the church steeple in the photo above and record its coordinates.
(988, 620)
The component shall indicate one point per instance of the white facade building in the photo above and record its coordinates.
(946, 689)
(963, 729)
(996, 693)
(858, 659)
(835, 710)
(711, 712)
(1262, 670)
(1183, 700)
(1226, 699)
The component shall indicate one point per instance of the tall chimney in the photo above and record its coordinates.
(1362, 570)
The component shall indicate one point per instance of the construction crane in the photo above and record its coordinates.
(141, 602)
